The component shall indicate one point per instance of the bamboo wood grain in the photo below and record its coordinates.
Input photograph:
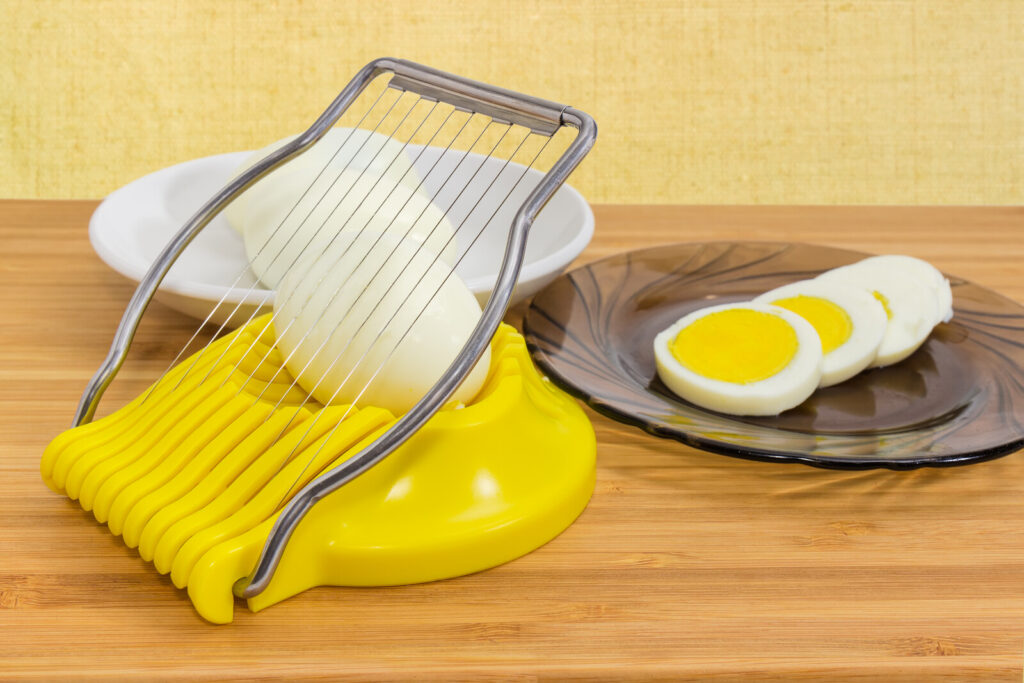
(686, 565)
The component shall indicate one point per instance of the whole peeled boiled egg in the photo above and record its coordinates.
(849, 321)
(743, 358)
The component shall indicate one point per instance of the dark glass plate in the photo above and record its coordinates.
(958, 399)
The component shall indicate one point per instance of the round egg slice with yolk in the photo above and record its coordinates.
(742, 359)
(909, 306)
(849, 321)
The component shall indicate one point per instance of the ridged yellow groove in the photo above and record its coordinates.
(276, 392)
(194, 473)
(198, 428)
(123, 490)
(71, 467)
(64, 450)
(301, 469)
(171, 480)
(238, 491)
(263, 362)
(204, 480)
(194, 401)
(74, 440)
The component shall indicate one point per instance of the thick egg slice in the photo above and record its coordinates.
(909, 306)
(743, 359)
(930, 276)
(849, 321)
(375, 325)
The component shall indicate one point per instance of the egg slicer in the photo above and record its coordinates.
(230, 476)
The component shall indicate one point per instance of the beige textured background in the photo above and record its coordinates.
(720, 101)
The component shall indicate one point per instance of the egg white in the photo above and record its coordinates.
(926, 273)
(365, 182)
(911, 304)
(787, 388)
(276, 238)
(338, 149)
(376, 325)
(867, 318)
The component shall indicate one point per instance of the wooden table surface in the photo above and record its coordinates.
(685, 564)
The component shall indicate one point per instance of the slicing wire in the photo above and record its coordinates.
(268, 241)
(434, 198)
(326, 220)
(312, 239)
(412, 324)
(245, 268)
(379, 237)
(358, 234)
(419, 247)
(393, 282)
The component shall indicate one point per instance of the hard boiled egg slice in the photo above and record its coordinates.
(909, 306)
(926, 273)
(849, 321)
(743, 359)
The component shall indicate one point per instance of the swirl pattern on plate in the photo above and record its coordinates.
(958, 399)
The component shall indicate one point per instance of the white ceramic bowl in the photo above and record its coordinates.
(134, 223)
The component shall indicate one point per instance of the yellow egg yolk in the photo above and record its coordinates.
(830, 321)
(736, 345)
(885, 303)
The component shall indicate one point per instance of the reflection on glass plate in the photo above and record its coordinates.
(958, 399)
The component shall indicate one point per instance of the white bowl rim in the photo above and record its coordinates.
(553, 262)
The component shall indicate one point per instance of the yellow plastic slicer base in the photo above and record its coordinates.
(194, 476)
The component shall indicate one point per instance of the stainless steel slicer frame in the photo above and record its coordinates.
(540, 116)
